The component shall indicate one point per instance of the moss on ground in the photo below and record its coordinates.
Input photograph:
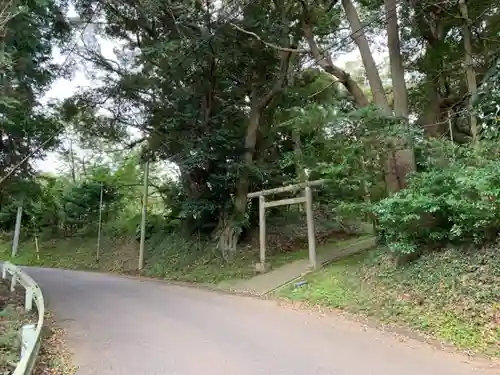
(451, 295)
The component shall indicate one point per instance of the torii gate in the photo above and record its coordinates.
(306, 198)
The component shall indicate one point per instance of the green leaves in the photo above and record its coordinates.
(458, 204)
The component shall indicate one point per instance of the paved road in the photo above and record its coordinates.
(123, 326)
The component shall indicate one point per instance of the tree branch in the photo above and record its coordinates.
(327, 64)
(280, 80)
(279, 48)
(334, 81)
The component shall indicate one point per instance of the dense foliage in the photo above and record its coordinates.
(458, 204)
(27, 127)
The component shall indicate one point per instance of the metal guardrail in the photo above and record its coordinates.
(31, 333)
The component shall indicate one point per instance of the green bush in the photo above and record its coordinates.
(458, 204)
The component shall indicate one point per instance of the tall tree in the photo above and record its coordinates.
(28, 44)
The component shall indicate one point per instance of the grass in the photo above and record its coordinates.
(72, 253)
(174, 258)
(12, 318)
(452, 295)
(168, 256)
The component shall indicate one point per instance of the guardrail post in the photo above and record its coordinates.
(28, 299)
(27, 337)
(4, 271)
(13, 282)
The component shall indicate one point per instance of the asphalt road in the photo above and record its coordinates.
(123, 326)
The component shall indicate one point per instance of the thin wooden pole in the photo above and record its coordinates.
(17, 230)
(144, 216)
(310, 228)
(450, 127)
(35, 237)
(37, 248)
(98, 253)
(262, 230)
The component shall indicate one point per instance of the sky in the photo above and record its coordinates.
(65, 88)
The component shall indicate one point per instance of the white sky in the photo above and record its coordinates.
(64, 88)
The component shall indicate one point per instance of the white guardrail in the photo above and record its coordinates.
(31, 333)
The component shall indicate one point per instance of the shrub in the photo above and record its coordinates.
(458, 204)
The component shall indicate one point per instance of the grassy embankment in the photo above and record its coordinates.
(452, 296)
(169, 257)
(175, 256)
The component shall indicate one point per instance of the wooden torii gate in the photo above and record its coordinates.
(306, 198)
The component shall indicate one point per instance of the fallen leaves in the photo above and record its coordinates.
(54, 358)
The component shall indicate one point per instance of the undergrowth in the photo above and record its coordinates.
(450, 295)
(167, 256)
(456, 205)
(12, 317)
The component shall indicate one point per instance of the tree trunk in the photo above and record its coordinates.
(372, 73)
(397, 70)
(296, 133)
(72, 161)
(402, 161)
(230, 229)
(469, 68)
(431, 118)
(327, 64)
(298, 156)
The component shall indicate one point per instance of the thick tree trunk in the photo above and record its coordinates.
(431, 117)
(299, 167)
(296, 133)
(402, 160)
(394, 168)
(469, 67)
(396, 61)
(230, 229)
(395, 164)
(372, 73)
